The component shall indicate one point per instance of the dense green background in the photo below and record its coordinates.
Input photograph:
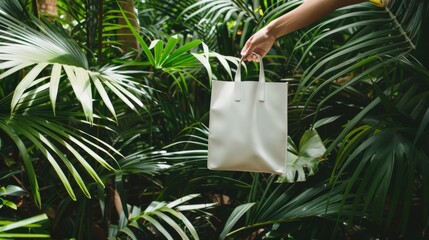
(104, 121)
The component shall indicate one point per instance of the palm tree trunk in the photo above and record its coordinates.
(48, 7)
(125, 36)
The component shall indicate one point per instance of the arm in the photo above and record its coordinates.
(302, 16)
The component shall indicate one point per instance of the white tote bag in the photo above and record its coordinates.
(248, 125)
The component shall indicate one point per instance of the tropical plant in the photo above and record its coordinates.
(160, 214)
(11, 229)
(53, 66)
(357, 63)
(136, 138)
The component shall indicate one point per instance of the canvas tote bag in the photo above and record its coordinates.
(248, 125)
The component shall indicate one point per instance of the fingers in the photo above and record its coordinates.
(254, 58)
(250, 48)
(251, 56)
(248, 54)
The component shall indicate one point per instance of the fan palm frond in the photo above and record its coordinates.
(58, 142)
(161, 214)
(22, 47)
(269, 205)
(369, 48)
(388, 152)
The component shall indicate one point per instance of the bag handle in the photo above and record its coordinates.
(261, 85)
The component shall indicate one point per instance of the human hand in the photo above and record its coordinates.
(260, 43)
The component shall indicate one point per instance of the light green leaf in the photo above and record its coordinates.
(172, 41)
(200, 9)
(18, 66)
(158, 226)
(234, 217)
(103, 94)
(92, 153)
(12, 190)
(205, 63)
(118, 85)
(157, 46)
(143, 45)
(23, 223)
(79, 79)
(31, 134)
(224, 64)
(70, 166)
(55, 81)
(120, 95)
(24, 235)
(25, 83)
(310, 153)
(173, 58)
(154, 206)
(7, 203)
(172, 224)
(27, 162)
(129, 233)
(182, 200)
(204, 59)
(191, 207)
(185, 220)
(22, 46)
(66, 133)
(324, 121)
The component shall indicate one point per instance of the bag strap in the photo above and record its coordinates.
(261, 85)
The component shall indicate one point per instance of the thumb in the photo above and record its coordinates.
(245, 51)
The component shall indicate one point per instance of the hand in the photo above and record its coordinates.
(260, 43)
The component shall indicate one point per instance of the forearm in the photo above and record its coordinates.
(304, 15)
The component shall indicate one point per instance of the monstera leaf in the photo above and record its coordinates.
(304, 161)
(310, 153)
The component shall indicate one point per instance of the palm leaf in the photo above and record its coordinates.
(6, 227)
(21, 47)
(159, 213)
(57, 141)
(386, 151)
(26, 159)
(289, 204)
(234, 217)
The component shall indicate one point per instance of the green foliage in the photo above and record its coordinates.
(136, 138)
(308, 156)
(9, 190)
(30, 223)
(234, 217)
(158, 214)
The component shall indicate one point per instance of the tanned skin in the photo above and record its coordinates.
(307, 13)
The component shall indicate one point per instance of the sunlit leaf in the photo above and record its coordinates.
(238, 212)
(23, 223)
(304, 161)
(55, 81)
(12, 190)
(158, 226)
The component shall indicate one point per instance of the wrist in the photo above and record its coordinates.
(270, 32)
